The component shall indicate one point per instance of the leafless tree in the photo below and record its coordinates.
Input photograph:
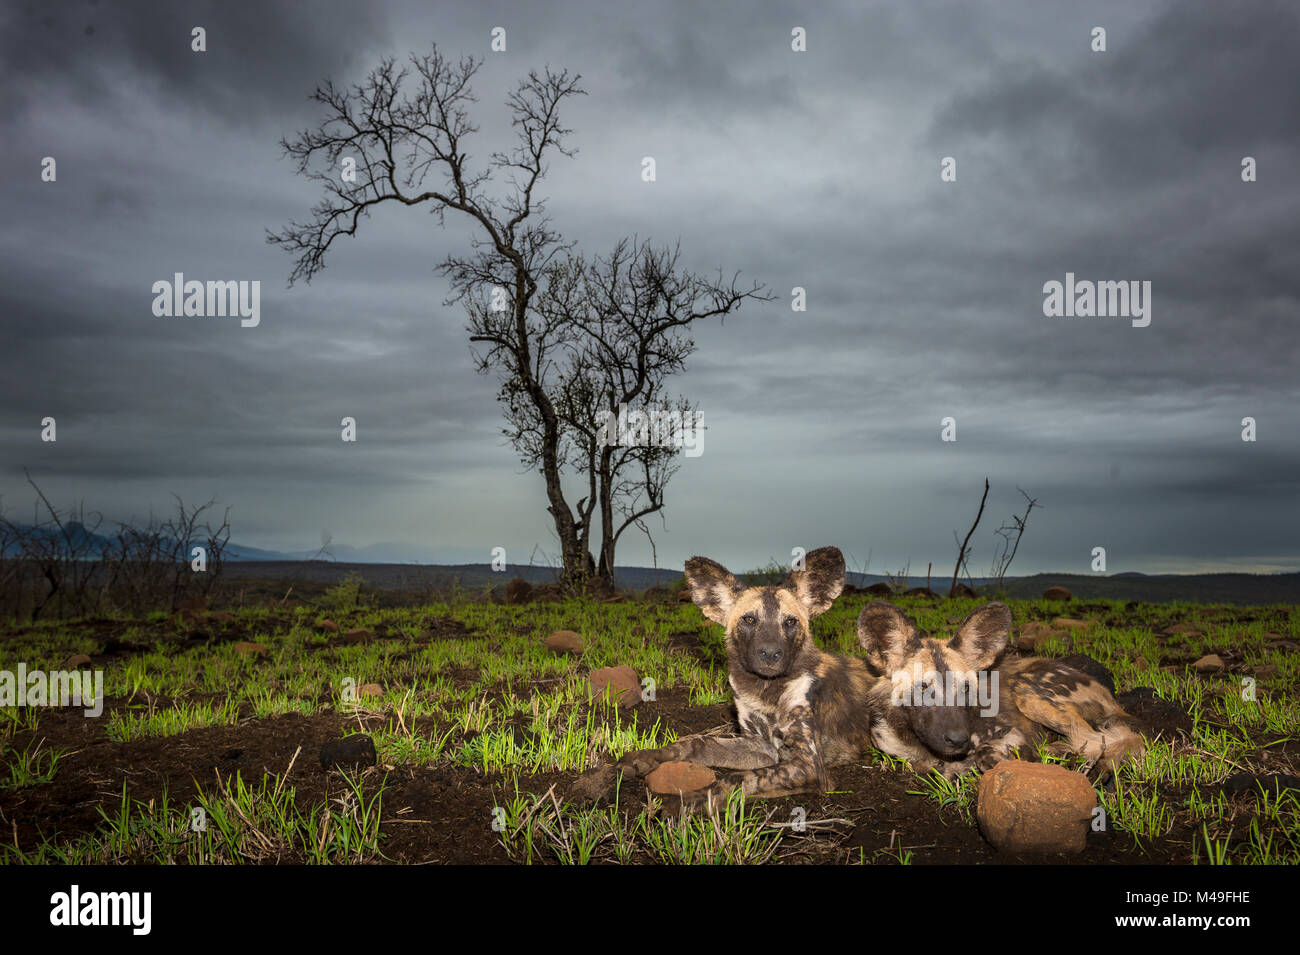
(1010, 532)
(554, 358)
(963, 552)
(616, 328)
(151, 565)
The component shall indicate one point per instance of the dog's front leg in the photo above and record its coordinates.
(727, 752)
(801, 768)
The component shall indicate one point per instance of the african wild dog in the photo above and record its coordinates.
(799, 709)
(953, 705)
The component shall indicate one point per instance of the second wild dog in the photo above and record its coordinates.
(955, 705)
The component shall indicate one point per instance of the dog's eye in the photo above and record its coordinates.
(750, 619)
(790, 622)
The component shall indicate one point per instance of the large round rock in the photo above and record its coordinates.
(1035, 807)
(680, 779)
(621, 683)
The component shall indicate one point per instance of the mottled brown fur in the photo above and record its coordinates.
(799, 709)
(1035, 697)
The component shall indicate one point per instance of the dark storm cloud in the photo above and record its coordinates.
(817, 170)
(262, 58)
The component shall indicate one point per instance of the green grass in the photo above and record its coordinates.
(495, 702)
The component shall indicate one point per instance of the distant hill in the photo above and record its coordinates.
(1200, 588)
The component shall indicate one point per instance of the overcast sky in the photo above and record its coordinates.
(818, 169)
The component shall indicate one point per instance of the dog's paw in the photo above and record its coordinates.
(640, 763)
(593, 787)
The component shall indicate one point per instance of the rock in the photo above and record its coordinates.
(616, 599)
(684, 597)
(1208, 663)
(1274, 637)
(880, 589)
(1152, 716)
(1034, 633)
(1035, 807)
(76, 660)
(962, 590)
(247, 648)
(1272, 783)
(1184, 630)
(519, 591)
(564, 641)
(1058, 594)
(1094, 668)
(622, 683)
(1070, 623)
(370, 691)
(329, 626)
(1267, 670)
(680, 779)
(221, 617)
(349, 752)
(353, 637)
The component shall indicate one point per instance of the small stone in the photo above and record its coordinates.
(349, 752)
(621, 682)
(353, 637)
(1208, 663)
(564, 641)
(1185, 630)
(1070, 623)
(327, 625)
(76, 660)
(1034, 633)
(679, 779)
(246, 648)
(1035, 807)
(518, 591)
(370, 691)
(1057, 593)
(1266, 670)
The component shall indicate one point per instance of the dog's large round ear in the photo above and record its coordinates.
(820, 580)
(888, 635)
(713, 588)
(983, 635)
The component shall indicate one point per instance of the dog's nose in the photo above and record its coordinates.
(956, 738)
(770, 655)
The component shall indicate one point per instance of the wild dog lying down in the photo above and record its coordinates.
(799, 709)
(953, 705)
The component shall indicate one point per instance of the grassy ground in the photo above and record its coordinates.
(207, 754)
